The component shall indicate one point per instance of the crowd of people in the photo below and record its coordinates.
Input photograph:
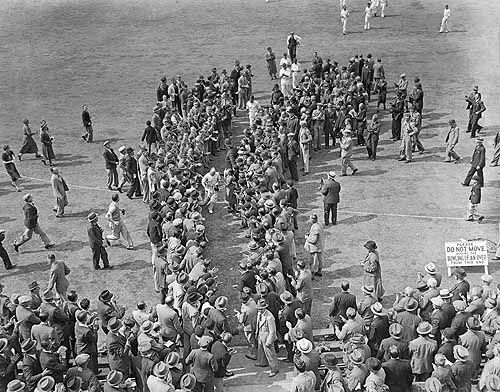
(430, 334)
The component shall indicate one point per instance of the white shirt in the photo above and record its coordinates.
(368, 12)
(286, 61)
(253, 108)
(285, 73)
(295, 67)
(446, 13)
(344, 14)
(209, 182)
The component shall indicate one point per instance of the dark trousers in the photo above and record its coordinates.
(112, 177)
(371, 146)
(5, 257)
(475, 125)
(292, 50)
(292, 166)
(360, 134)
(330, 208)
(135, 188)
(396, 127)
(329, 133)
(99, 253)
(474, 170)
(163, 295)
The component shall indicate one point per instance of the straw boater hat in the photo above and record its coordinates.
(305, 346)
(331, 175)
(82, 359)
(378, 309)
(160, 370)
(221, 303)
(28, 345)
(115, 378)
(74, 384)
(262, 304)
(460, 352)
(424, 328)
(15, 386)
(368, 290)
(445, 294)
(286, 297)
(45, 384)
(357, 357)
(188, 382)
(396, 330)
(411, 305)
(92, 217)
(430, 268)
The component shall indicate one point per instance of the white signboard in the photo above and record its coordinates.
(466, 253)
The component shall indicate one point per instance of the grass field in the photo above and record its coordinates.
(57, 55)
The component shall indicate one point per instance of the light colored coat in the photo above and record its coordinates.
(57, 183)
(266, 328)
(315, 238)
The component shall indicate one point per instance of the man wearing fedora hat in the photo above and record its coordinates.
(142, 365)
(356, 374)
(58, 280)
(31, 224)
(36, 299)
(222, 355)
(462, 369)
(430, 272)
(314, 244)
(114, 382)
(32, 370)
(204, 365)
(473, 340)
(111, 161)
(491, 369)
(311, 358)
(107, 308)
(333, 379)
(305, 379)
(395, 339)
(477, 163)
(474, 201)
(86, 337)
(190, 318)
(58, 318)
(96, 242)
(59, 189)
(409, 319)
(422, 350)
(52, 360)
(89, 381)
(451, 141)
(266, 336)
(25, 317)
(379, 328)
(118, 347)
(160, 380)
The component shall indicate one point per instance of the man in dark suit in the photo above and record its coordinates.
(476, 113)
(32, 370)
(288, 320)
(330, 189)
(398, 375)
(396, 332)
(50, 360)
(107, 309)
(31, 224)
(379, 328)
(149, 135)
(477, 163)
(87, 125)
(3, 253)
(293, 153)
(8, 364)
(438, 319)
(247, 278)
(118, 348)
(111, 160)
(132, 173)
(86, 338)
(96, 240)
(222, 355)
(341, 302)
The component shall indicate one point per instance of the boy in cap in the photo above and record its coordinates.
(474, 201)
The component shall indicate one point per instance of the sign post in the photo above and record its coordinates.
(466, 254)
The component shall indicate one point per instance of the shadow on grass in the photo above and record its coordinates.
(27, 269)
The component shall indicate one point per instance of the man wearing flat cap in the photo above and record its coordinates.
(204, 365)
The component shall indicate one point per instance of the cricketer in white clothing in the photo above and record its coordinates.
(444, 21)
(344, 14)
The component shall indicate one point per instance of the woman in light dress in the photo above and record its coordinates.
(286, 80)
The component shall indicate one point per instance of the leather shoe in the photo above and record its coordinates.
(260, 365)
(108, 267)
(249, 356)
(272, 374)
(228, 374)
